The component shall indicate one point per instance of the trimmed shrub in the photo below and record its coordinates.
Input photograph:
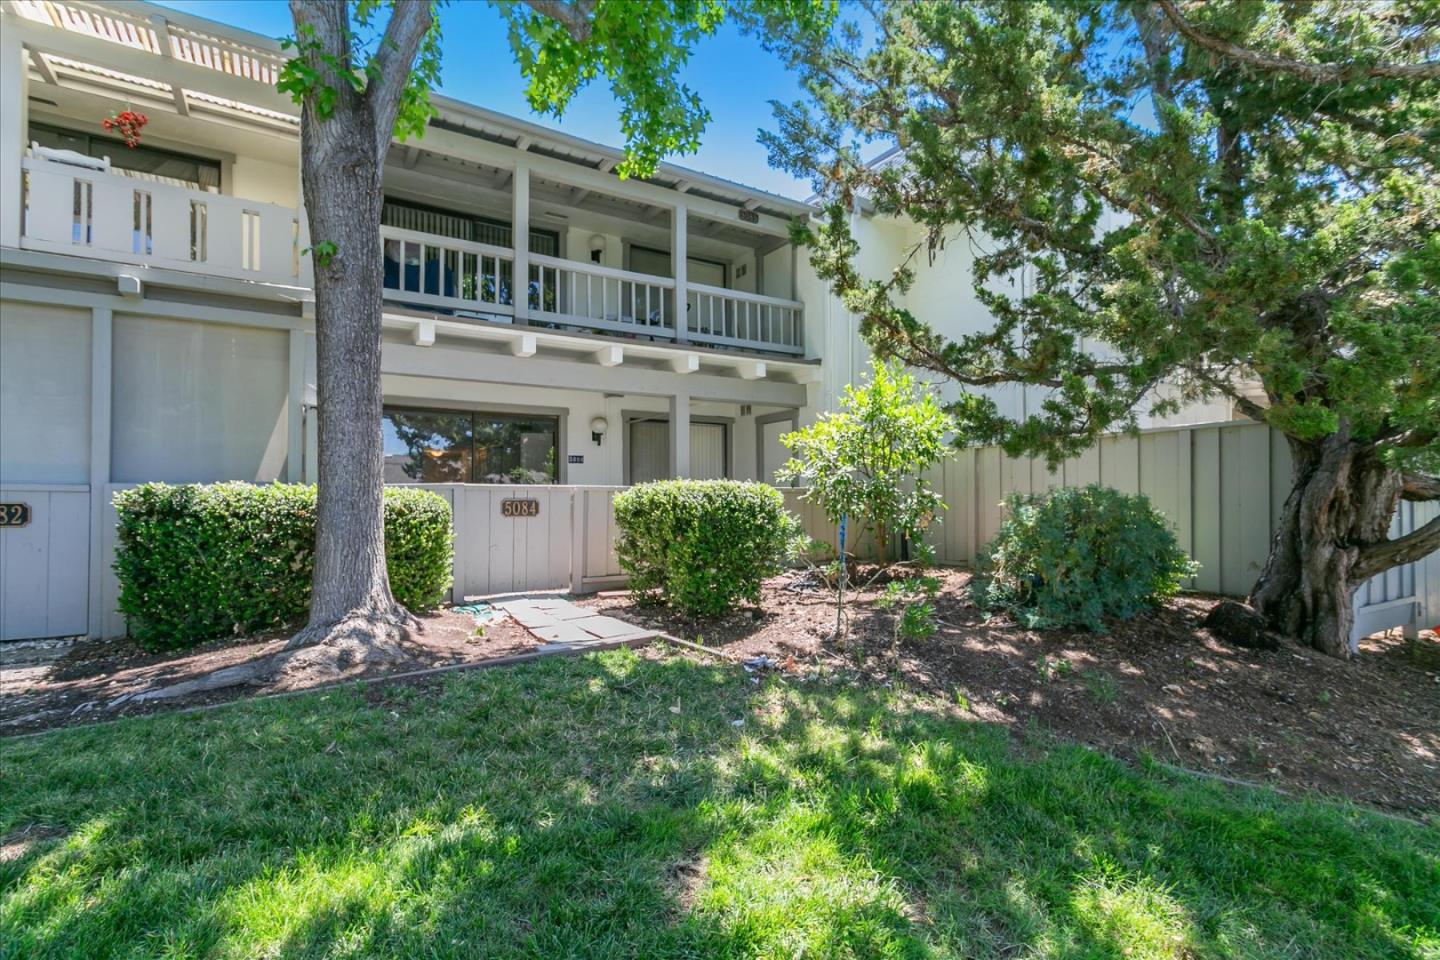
(703, 545)
(1076, 556)
(201, 561)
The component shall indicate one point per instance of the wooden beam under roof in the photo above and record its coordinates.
(42, 67)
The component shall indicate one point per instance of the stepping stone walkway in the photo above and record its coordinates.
(561, 622)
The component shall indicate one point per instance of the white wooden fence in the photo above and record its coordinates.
(568, 542)
(1221, 485)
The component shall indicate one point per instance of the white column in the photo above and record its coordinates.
(306, 278)
(678, 258)
(520, 238)
(14, 111)
(101, 338)
(310, 425)
(680, 436)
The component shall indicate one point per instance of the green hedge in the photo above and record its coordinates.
(1076, 556)
(201, 561)
(703, 544)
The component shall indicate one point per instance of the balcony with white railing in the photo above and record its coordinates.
(734, 318)
(475, 280)
(586, 296)
(460, 277)
(82, 207)
(491, 221)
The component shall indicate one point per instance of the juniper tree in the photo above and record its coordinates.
(1223, 194)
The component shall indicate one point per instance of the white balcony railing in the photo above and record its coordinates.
(736, 319)
(575, 294)
(97, 213)
(473, 279)
(91, 211)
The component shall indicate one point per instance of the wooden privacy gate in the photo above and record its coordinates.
(514, 539)
(44, 561)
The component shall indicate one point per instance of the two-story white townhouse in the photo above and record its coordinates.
(545, 321)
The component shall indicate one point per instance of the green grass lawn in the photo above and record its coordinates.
(609, 807)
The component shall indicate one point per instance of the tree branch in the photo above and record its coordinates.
(1379, 557)
(1226, 388)
(329, 23)
(574, 17)
(393, 62)
(1414, 437)
(1316, 72)
(1418, 487)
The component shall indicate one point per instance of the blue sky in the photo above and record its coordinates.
(733, 76)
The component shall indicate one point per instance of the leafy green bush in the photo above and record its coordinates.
(197, 561)
(1076, 556)
(702, 545)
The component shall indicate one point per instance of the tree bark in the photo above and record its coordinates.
(1335, 520)
(352, 611)
(341, 177)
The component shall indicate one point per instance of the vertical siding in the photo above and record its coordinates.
(45, 565)
(1221, 486)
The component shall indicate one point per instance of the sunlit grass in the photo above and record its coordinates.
(612, 807)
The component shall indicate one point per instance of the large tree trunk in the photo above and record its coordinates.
(354, 619)
(1339, 508)
(341, 177)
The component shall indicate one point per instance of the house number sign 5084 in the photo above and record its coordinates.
(14, 514)
(519, 508)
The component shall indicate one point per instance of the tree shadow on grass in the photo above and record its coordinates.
(561, 809)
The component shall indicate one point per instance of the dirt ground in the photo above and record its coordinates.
(1158, 685)
(59, 683)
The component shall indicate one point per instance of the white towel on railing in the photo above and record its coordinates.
(69, 157)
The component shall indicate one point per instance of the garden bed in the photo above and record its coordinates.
(54, 684)
(1158, 685)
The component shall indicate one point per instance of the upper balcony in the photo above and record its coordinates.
(214, 190)
(74, 204)
(596, 261)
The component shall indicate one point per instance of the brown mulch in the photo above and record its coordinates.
(1159, 685)
(51, 684)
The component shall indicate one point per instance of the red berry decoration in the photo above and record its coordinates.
(127, 123)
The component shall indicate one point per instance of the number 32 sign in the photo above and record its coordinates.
(14, 514)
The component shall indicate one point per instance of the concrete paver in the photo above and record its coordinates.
(561, 622)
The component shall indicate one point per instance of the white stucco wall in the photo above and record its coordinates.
(266, 181)
(943, 296)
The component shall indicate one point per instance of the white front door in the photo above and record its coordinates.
(649, 442)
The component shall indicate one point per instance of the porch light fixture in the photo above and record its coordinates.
(597, 250)
(598, 426)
